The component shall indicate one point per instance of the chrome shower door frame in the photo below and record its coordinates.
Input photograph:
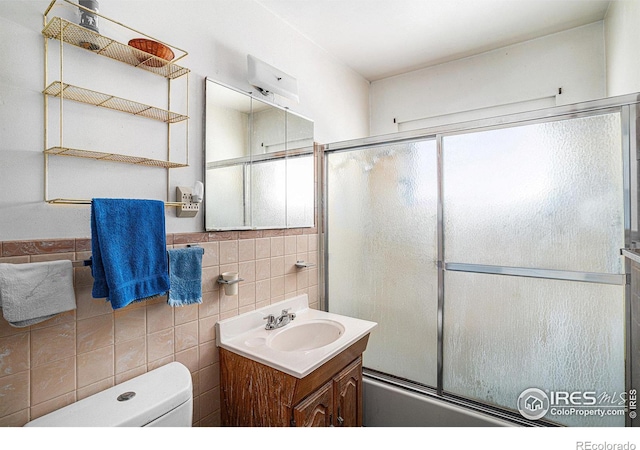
(627, 106)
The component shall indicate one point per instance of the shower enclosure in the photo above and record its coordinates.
(489, 254)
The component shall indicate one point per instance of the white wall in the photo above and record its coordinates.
(622, 37)
(218, 34)
(521, 77)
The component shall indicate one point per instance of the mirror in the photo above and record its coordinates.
(259, 163)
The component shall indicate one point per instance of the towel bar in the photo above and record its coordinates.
(87, 262)
(75, 201)
(83, 263)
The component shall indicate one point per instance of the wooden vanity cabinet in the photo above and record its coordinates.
(253, 394)
(348, 399)
(317, 410)
(338, 403)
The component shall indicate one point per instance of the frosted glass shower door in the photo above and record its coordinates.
(547, 195)
(382, 252)
(534, 287)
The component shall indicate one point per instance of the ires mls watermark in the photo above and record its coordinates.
(534, 403)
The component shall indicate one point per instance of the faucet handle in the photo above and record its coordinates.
(286, 311)
(271, 321)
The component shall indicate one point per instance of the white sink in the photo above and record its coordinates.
(298, 348)
(305, 336)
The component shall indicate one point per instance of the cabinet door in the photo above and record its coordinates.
(348, 395)
(317, 409)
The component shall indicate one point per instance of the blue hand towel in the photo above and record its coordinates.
(129, 250)
(185, 275)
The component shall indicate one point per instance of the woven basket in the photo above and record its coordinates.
(154, 48)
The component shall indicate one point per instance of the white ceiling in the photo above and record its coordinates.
(381, 38)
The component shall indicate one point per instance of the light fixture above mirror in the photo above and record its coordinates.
(267, 79)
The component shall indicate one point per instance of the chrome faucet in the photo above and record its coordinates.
(280, 321)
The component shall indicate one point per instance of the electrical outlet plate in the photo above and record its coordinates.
(188, 207)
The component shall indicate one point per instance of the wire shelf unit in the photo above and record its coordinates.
(66, 32)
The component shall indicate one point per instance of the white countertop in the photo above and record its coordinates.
(246, 335)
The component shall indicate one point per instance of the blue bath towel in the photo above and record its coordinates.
(185, 275)
(129, 250)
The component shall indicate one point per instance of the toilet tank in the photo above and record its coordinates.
(162, 397)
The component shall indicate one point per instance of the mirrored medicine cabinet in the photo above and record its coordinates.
(259, 163)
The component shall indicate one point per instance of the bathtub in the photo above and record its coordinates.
(386, 405)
